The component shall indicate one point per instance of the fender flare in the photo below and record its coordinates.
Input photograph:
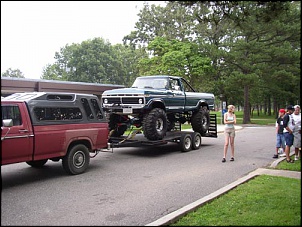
(156, 103)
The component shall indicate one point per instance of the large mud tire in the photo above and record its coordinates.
(155, 124)
(201, 121)
(115, 124)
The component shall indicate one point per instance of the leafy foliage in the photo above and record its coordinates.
(177, 58)
(13, 73)
(95, 61)
(249, 43)
(245, 52)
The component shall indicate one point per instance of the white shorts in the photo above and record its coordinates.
(230, 132)
(297, 140)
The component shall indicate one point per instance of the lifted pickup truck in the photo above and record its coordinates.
(186, 140)
(39, 126)
(158, 104)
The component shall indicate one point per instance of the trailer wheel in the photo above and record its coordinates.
(37, 164)
(76, 160)
(185, 142)
(196, 141)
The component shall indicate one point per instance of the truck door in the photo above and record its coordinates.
(176, 96)
(192, 97)
(16, 140)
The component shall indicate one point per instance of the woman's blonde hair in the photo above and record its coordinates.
(231, 106)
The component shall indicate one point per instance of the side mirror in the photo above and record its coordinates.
(7, 122)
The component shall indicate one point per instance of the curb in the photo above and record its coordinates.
(175, 215)
(276, 162)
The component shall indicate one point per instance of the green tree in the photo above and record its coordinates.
(13, 73)
(53, 72)
(177, 58)
(256, 50)
(173, 21)
(96, 61)
(129, 58)
(250, 43)
(91, 61)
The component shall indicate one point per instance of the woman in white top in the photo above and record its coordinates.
(229, 132)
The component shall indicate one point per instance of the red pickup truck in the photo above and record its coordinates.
(41, 126)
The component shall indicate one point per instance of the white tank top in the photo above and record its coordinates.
(229, 118)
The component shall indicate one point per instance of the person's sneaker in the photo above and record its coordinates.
(275, 156)
(296, 158)
(282, 155)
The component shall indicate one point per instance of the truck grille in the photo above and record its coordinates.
(130, 100)
(124, 100)
(114, 100)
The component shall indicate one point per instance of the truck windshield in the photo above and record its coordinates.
(155, 83)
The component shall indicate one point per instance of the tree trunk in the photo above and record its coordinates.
(246, 108)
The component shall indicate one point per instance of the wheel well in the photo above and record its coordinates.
(203, 105)
(158, 104)
(84, 142)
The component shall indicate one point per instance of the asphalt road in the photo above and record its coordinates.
(131, 186)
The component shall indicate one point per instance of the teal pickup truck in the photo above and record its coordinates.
(157, 104)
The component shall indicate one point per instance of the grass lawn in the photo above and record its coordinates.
(289, 166)
(262, 119)
(262, 201)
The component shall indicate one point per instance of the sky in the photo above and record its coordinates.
(32, 31)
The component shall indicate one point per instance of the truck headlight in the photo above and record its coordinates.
(140, 101)
(105, 101)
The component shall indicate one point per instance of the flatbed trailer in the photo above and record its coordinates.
(187, 140)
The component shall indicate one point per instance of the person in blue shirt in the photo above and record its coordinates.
(289, 126)
(280, 143)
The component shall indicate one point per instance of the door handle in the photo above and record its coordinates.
(23, 130)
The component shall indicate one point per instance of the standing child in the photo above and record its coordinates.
(280, 143)
(229, 132)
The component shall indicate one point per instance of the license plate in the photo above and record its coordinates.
(127, 110)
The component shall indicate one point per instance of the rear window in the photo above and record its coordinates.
(97, 109)
(57, 113)
(60, 97)
(87, 108)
